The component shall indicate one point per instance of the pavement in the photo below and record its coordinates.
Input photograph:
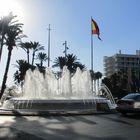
(76, 127)
(30, 112)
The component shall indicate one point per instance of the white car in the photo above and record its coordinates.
(129, 104)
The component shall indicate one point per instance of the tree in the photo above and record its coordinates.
(107, 82)
(42, 57)
(19, 75)
(36, 47)
(12, 36)
(6, 22)
(115, 80)
(70, 61)
(59, 62)
(26, 47)
(117, 83)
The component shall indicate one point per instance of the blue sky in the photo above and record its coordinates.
(118, 20)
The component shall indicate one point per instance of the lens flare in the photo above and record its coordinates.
(8, 6)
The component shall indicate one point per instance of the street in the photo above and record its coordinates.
(77, 127)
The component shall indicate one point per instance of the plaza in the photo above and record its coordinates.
(77, 127)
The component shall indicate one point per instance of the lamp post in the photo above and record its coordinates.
(66, 48)
(49, 29)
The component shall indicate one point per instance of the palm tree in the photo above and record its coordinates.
(13, 35)
(19, 75)
(70, 61)
(36, 47)
(6, 22)
(59, 62)
(42, 57)
(26, 47)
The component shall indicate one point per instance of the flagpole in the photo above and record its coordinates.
(91, 47)
(91, 56)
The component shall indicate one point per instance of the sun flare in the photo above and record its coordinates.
(7, 6)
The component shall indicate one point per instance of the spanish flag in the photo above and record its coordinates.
(95, 28)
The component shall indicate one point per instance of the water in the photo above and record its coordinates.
(48, 86)
(48, 92)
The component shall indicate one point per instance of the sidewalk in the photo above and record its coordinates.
(25, 112)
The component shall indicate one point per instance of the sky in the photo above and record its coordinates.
(70, 20)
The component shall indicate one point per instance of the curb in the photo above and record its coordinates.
(52, 112)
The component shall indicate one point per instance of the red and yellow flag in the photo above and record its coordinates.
(95, 28)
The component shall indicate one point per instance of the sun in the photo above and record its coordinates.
(8, 6)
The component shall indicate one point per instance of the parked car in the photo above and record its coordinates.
(129, 104)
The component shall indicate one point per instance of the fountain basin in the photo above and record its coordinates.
(51, 106)
(46, 93)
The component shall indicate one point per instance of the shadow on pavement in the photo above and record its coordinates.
(48, 128)
(132, 116)
(118, 120)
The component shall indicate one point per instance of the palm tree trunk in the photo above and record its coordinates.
(41, 63)
(2, 39)
(6, 72)
(28, 56)
(33, 58)
(98, 85)
(95, 86)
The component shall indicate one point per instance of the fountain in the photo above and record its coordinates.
(43, 93)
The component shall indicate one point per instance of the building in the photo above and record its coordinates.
(127, 63)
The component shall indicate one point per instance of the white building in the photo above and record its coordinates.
(122, 62)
